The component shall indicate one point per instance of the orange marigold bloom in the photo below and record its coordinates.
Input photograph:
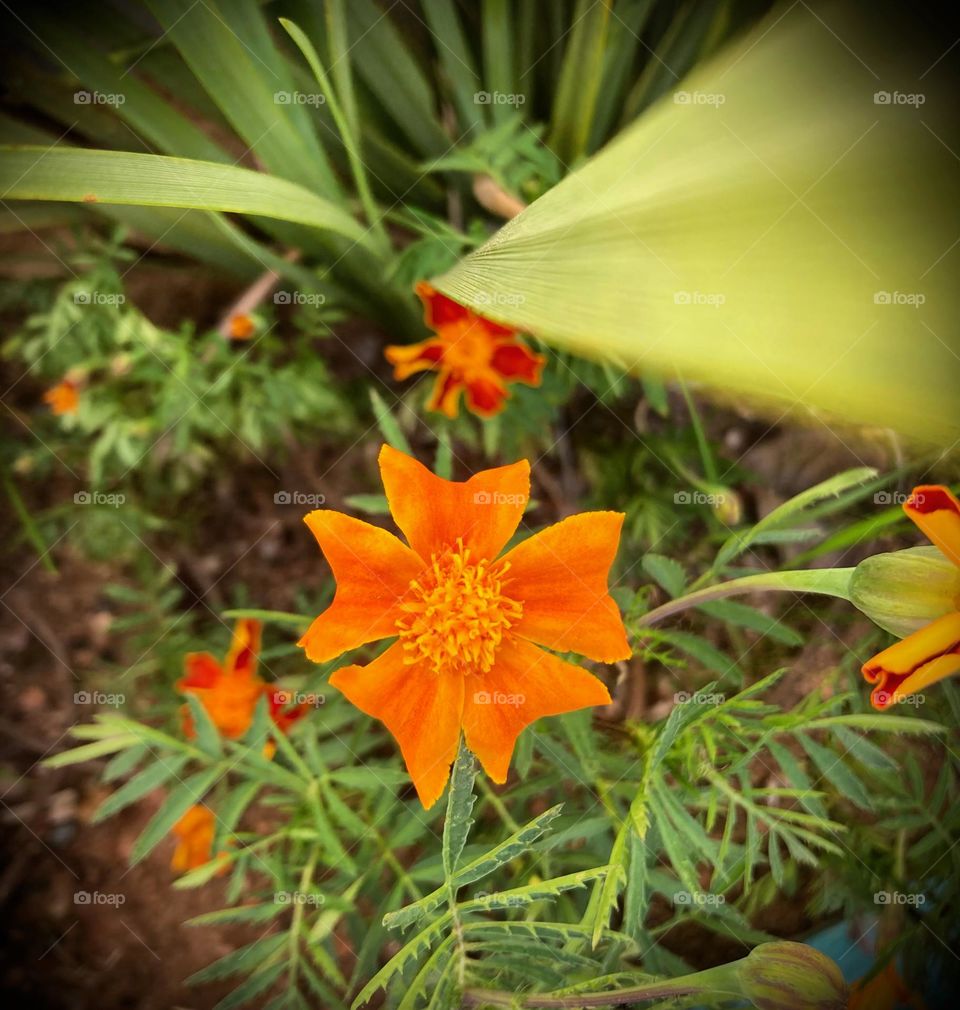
(469, 352)
(468, 623)
(241, 327)
(63, 398)
(230, 693)
(933, 652)
(194, 832)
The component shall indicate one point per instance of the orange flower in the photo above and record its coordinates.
(63, 398)
(469, 352)
(885, 991)
(194, 832)
(241, 327)
(933, 652)
(230, 693)
(468, 623)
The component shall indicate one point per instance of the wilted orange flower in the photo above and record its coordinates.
(194, 832)
(230, 693)
(241, 327)
(469, 352)
(63, 398)
(468, 623)
(933, 652)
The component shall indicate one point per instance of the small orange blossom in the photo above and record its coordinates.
(468, 623)
(194, 832)
(933, 652)
(241, 327)
(230, 693)
(469, 352)
(63, 398)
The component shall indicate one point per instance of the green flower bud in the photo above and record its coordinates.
(791, 976)
(904, 591)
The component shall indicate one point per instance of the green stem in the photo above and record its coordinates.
(825, 581)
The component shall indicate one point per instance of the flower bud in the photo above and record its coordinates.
(905, 590)
(791, 976)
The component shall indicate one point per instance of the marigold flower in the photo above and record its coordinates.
(241, 327)
(230, 693)
(63, 398)
(469, 352)
(194, 832)
(933, 652)
(468, 623)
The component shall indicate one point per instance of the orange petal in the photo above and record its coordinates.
(921, 659)
(200, 669)
(410, 358)
(560, 575)
(937, 512)
(373, 570)
(486, 396)
(421, 709)
(524, 684)
(432, 512)
(438, 309)
(446, 393)
(244, 648)
(515, 361)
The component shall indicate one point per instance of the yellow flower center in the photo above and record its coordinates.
(468, 346)
(456, 614)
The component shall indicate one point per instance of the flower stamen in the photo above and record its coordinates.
(456, 615)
